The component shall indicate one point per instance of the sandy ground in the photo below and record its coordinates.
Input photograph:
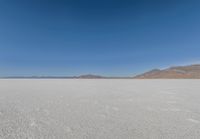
(99, 109)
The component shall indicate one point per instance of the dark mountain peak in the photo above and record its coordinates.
(90, 76)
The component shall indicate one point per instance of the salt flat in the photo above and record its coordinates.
(99, 109)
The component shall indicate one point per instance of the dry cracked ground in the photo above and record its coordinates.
(99, 109)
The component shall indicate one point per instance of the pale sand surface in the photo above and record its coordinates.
(99, 109)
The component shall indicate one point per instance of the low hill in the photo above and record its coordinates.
(90, 76)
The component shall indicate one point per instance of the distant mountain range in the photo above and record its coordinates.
(179, 72)
(90, 76)
(87, 76)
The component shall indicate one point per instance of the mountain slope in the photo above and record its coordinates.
(179, 72)
(90, 76)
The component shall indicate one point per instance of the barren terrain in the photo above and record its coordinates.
(177, 72)
(99, 109)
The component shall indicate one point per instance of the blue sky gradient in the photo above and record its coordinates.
(107, 37)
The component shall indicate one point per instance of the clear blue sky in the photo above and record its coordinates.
(107, 37)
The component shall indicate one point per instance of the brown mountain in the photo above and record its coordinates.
(90, 76)
(179, 72)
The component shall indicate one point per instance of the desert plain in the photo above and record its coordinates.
(99, 109)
